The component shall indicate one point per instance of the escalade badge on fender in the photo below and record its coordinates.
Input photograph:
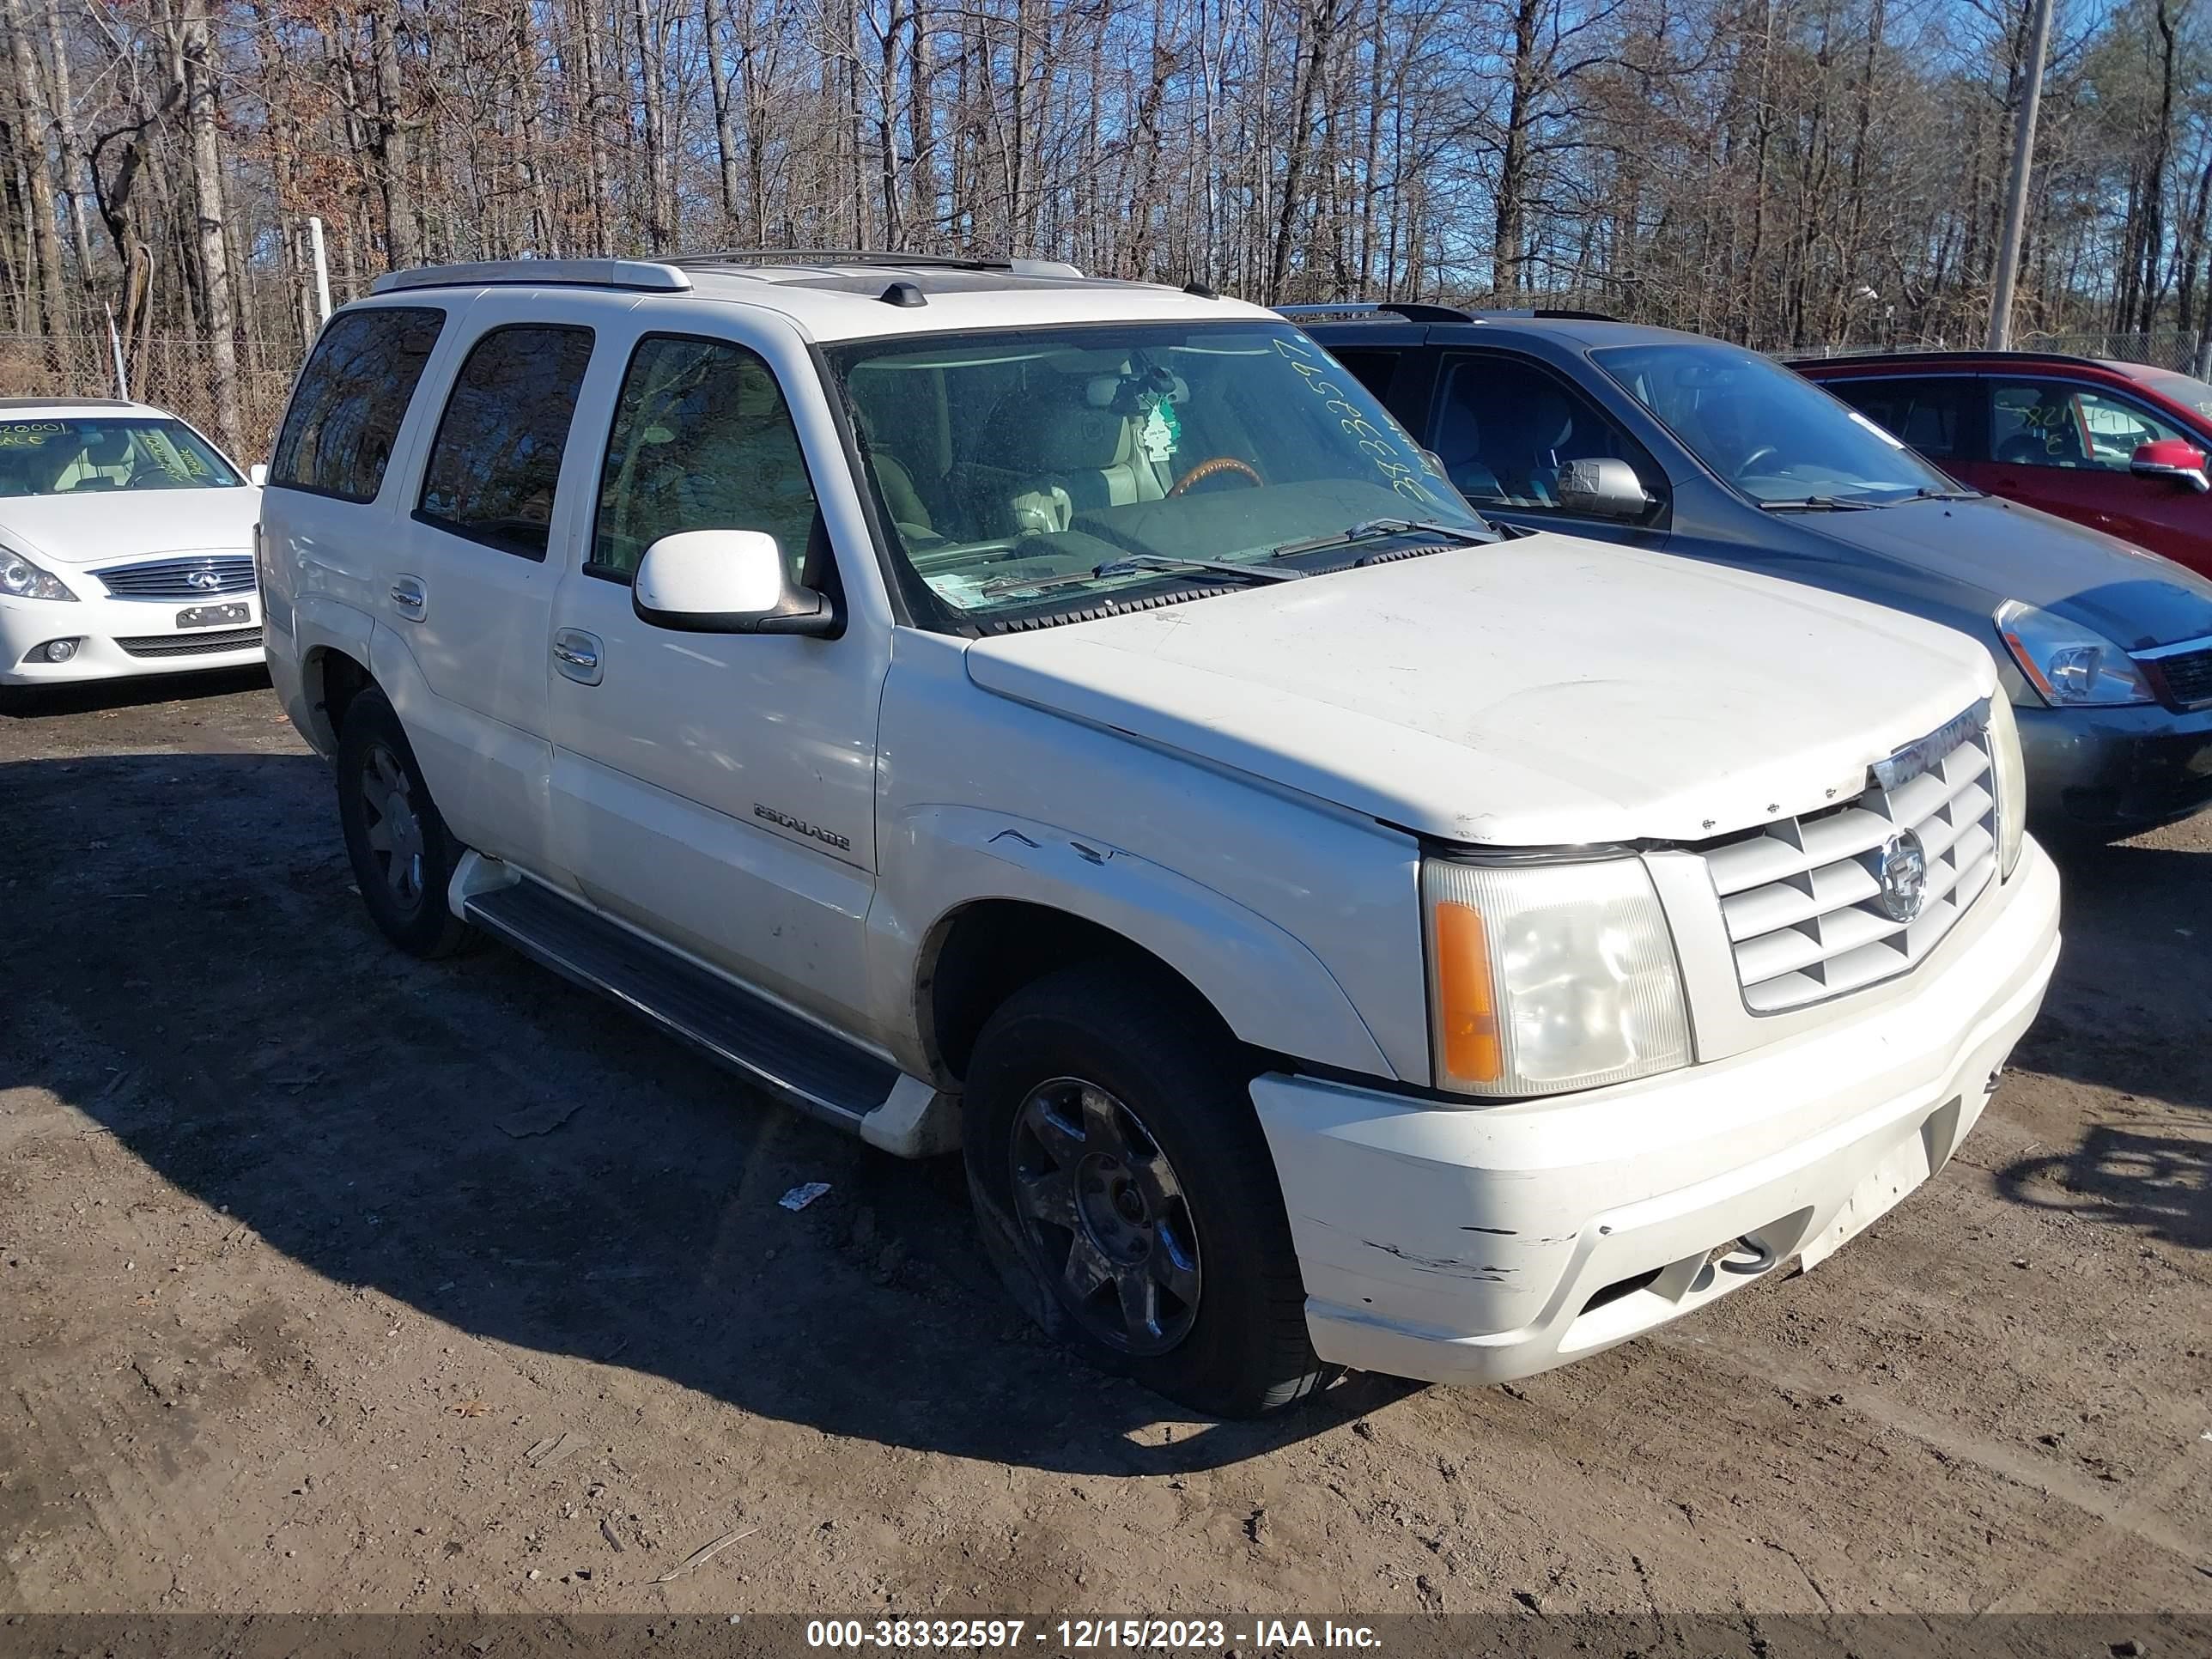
(801, 827)
(1903, 873)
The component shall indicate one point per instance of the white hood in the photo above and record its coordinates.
(100, 526)
(1548, 691)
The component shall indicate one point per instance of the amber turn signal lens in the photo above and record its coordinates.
(1468, 1005)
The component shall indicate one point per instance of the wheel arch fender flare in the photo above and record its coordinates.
(322, 626)
(1266, 986)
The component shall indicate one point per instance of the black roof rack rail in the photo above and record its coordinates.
(1553, 313)
(836, 256)
(1940, 355)
(1420, 312)
(873, 256)
(1412, 311)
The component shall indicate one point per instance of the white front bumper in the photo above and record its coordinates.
(1473, 1243)
(99, 624)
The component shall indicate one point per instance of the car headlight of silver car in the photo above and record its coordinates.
(1549, 977)
(21, 579)
(2069, 666)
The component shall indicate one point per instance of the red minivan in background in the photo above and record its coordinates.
(2120, 446)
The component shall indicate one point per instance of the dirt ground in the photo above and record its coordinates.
(333, 1280)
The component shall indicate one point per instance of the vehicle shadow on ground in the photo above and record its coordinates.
(2158, 1185)
(483, 1143)
(90, 696)
(2130, 1011)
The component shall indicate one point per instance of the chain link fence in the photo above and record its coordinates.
(2187, 350)
(170, 371)
(2170, 348)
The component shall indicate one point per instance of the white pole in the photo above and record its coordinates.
(115, 344)
(2023, 159)
(322, 267)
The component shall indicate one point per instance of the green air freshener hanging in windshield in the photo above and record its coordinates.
(1161, 431)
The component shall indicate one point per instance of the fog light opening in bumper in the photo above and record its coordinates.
(1621, 1287)
(56, 650)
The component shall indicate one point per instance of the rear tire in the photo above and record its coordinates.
(404, 857)
(1127, 1196)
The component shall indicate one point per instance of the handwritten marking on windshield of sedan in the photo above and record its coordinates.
(1389, 458)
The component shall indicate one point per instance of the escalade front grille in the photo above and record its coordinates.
(1821, 905)
(201, 576)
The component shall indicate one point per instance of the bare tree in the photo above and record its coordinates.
(1778, 171)
(196, 49)
(30, 129)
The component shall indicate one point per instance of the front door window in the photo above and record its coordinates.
(2061, 423)
(1506, 429)
(701, 440)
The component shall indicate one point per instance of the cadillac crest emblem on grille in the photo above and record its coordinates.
(1903, 873)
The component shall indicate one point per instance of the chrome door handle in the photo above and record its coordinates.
(409, 597)
(577, 654)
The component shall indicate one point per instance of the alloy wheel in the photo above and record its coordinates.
(394, 831)
(1105, 1217)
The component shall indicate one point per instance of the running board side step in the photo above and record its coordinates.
(801, 1064)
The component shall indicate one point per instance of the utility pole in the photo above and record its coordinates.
(322, 268)
(115, 345)
(2023, 160)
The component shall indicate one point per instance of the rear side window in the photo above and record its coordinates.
(350, 399)
(1934, 417)
(496, 459)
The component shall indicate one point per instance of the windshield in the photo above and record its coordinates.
(100, 455)
(1014, 464)
(1775, 436)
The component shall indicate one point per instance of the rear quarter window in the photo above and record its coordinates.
(350, 399)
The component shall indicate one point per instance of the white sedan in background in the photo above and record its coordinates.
(126, 545)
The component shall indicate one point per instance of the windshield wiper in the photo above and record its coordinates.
(1924, 493)
(1818, 504)
(1129, 563)
(1373, 528)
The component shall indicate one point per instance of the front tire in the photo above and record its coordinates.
(403, 855)
(1128, 1196)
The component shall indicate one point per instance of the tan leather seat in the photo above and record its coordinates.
(907, 510)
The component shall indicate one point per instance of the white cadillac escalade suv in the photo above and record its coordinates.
(1068, 721)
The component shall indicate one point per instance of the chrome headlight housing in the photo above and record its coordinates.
(21, 579)
(2070, 666)
(2011, 784)
(1545, 978)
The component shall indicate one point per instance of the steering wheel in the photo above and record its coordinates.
(1214, 468)
(1744, 467)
